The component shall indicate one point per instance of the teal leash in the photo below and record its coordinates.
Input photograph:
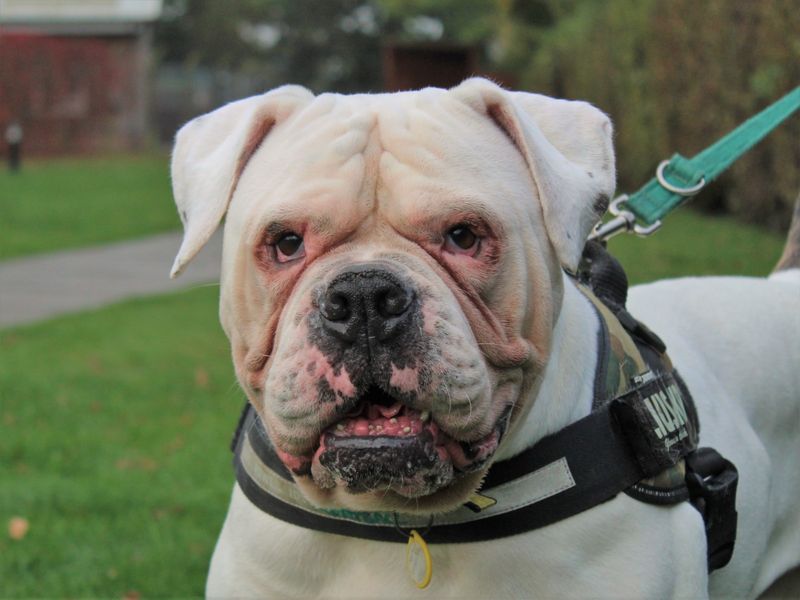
(680, 178)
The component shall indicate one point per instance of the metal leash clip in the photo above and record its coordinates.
(624, 221)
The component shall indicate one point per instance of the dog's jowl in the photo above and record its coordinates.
(401, 290)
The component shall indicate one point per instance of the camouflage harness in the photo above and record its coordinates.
(640, 439)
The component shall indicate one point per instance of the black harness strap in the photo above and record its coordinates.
(594, 449)
(597, 452)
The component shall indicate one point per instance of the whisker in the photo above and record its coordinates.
(388, 487)
(233, 387)
(449, 399)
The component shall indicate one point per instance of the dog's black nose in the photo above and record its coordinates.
(371, 301)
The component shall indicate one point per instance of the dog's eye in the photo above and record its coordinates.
(289, 247)
(462, 240)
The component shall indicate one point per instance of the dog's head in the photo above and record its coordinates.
(392, 272)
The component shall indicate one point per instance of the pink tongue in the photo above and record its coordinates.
(387, 412)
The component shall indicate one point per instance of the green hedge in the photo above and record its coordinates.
(677, 75)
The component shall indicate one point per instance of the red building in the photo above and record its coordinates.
(75, 73)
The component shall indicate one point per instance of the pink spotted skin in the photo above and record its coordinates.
(406, 380)
(441, 386)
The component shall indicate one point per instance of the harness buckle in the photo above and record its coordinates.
(712, 482)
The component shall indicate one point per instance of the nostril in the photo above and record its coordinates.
(393, 302)
(335, 307)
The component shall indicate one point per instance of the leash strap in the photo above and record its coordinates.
(685, 177)
(679, 178)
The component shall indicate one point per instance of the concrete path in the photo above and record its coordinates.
(38, 287)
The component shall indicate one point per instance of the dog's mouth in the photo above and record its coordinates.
(383, 444)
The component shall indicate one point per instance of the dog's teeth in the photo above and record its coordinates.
(425, 415)
(340, 427)
(393, 420)
(406, 429)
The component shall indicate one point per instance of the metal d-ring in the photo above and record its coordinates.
(690, 191)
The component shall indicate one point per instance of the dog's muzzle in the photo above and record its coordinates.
(367, 313)
(367, 324)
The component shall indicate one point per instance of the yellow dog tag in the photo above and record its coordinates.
(418, 560)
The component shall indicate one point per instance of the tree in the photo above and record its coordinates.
(331, 45)
(334, 45)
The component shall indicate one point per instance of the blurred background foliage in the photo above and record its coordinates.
(674, 75)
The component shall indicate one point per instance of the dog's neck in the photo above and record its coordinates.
(566, 391)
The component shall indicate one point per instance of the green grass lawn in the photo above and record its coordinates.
(115, 438)
(116, 424)
(693, 244)
(53, 205)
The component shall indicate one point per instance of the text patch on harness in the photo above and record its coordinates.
(657, 421)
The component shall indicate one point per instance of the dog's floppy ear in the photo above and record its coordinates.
(210, 154)
(568, 149)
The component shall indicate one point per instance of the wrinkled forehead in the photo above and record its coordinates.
(384, 152)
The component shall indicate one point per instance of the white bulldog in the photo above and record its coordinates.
(393, 266)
